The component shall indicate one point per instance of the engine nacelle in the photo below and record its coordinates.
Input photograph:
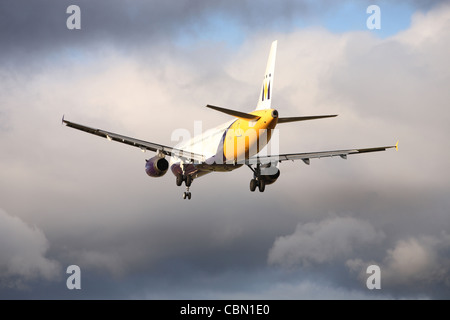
(156, 166)
(271, 178)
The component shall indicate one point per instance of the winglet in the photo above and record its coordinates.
(62, 120)
(396, 145)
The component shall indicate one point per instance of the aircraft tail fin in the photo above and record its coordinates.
(265, 96)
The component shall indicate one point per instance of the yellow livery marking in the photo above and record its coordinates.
(265, 89)
(245, 138)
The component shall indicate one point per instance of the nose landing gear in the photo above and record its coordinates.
(187, 181)
(187, 194)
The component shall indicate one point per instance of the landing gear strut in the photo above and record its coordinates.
(187, 181)
(257, 181)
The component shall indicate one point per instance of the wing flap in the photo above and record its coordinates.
(306, 156)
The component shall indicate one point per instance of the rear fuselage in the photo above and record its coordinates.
(227, 146)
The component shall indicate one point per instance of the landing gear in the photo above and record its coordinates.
(179, 180)
(261, 185)
(187, 181)
(187, 195)
(253, 185)
(257, 181)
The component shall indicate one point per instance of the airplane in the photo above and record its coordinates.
(229, 146)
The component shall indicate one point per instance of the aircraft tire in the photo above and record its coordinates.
(261, 185)
(179, 180)
(253, 184)
(188, 181)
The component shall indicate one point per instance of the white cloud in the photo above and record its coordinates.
(416, 261)
(22, 252)
(322, 242)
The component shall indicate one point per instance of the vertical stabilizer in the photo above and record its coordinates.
(265, 96)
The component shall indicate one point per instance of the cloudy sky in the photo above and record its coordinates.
(147, 68)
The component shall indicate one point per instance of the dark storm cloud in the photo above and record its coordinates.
(33, 26)
(35, 31)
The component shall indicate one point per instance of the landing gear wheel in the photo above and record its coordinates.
(261, 185)
(253, 184)
(187, 195)
(188, 181)
(179, 179)
(257, 182)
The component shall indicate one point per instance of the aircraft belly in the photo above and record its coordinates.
(218, 167)
(200, 169)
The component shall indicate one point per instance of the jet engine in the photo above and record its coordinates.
(156, 166)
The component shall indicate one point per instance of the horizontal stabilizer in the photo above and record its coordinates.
(237, 114)
(292, 119)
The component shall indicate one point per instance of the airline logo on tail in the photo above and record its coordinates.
(264, 101)
(266, 90)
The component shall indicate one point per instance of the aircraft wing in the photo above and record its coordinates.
(305, 157)
(143, 145)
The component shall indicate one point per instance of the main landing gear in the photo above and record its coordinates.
(187, 181)
(257, 182)
(261, 184)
